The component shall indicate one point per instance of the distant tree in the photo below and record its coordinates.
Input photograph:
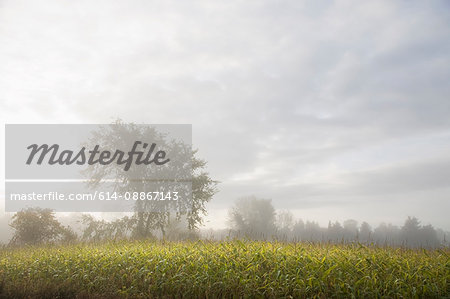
(387, 234)
(443, 237)
(298, 230)
(253, 218)
(284, 224)
(38, 226)
(365, 233)
(410, 232)
(350, 230)
(429, 237)
(313, 232)
(335, 232)
(414, 235)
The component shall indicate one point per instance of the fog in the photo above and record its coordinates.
(332, 116)
(250, 218)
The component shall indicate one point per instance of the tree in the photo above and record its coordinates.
(252, 217)
(299, 230)
(415, 235)
(99, 230)
(335, 232)
(365, 232)
(38, 226)
(386, 234)
(153, 215)
(410, 232)
(313, 232)
(350, 230)
(429, 237)
(285, 224)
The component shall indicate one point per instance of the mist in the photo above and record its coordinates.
(332, 116)
(260, 149)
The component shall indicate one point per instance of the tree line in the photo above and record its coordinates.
(249, 218)
(256, 218)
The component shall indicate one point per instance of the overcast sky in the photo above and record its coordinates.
(334, 110)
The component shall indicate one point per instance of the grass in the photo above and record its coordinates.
(223, 269)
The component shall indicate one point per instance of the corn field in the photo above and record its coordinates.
(144, 269)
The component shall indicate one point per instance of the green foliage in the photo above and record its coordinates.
(37, 226)
(223, 269)
(101, 230)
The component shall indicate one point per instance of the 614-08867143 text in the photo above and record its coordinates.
(97, 195)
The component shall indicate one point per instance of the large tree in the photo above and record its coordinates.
(148, 215)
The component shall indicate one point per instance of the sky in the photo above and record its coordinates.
(334, 110)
